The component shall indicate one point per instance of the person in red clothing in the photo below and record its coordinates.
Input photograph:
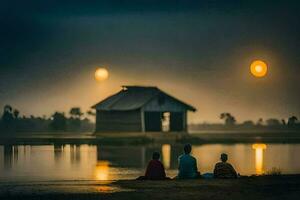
(155, 169)
(224, 169)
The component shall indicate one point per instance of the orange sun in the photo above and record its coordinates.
(101, 74)
(258, 68)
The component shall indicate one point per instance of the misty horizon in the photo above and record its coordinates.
(199, 52)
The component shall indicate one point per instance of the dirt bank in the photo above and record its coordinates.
(266, 187)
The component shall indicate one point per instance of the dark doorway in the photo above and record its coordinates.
(176, 121)
(153, 121)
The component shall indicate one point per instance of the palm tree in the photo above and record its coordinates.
(229, 119)
(260, 122)
(16, 113)
(75, 112)
(7, 117)
(7, 108)
(292, 120)
(59, 121)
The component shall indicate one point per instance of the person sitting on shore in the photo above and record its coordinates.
(187, 165)
(155, 169)
(224, 169)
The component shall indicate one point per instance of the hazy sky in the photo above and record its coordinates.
(198, 51)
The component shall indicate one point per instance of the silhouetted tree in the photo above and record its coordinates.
(59, 121)
(8, 108)
(86, 124)
(260, 122)
(12, 121)
(75, 120)
(16, 114)
(292, 120)
(7, 117)
(228, 118)
(75, 112)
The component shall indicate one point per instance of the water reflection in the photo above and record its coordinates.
(166, 155)
(8, 154)
(75, 153)
(259, 157)
(69, 162)
(102, 171)
(58, 149)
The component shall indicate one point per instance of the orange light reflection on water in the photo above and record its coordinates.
(259, 157)
(166, 155)
(102, 171)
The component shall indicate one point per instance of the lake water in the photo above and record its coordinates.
(92, 162)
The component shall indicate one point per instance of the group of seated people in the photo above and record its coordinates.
(187, 167)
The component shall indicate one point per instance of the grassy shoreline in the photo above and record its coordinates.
(149, 138)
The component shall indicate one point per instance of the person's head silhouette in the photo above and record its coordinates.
(187, 149)
(155, 156)
(224, 157)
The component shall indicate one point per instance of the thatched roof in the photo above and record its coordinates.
(134, 97)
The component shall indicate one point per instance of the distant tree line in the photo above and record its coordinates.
(230, 123)
(11, 121)
(77, 121)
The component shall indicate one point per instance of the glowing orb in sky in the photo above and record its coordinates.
(258, 68)
(101, 74)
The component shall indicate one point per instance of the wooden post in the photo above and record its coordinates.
(97, 120)
(184, 120)
(143, 152)
(143, 120)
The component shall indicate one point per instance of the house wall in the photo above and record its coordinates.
(118, 121)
